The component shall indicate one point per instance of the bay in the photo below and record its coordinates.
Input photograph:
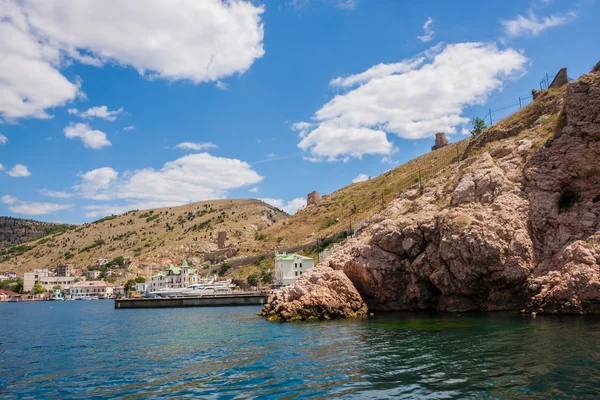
(87, 349)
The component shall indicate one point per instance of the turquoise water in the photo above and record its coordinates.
(86, 349)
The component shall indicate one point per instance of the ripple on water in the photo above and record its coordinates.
(90, 350)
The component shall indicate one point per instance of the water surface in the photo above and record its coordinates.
(87, 349)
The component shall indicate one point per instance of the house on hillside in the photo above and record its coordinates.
(174, 277)
(94, 274)
(288, 267)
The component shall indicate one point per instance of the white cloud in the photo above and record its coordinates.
(58, 195)
(30, 82)
(428, 32)
(290, 207)
(1, 167)
(195, 146)
(95, 182)
(129, 128)
(377, 71)
(35, 208)
(221, 85)
(8, 199)
(532, 25)
(19, 171)
(3, 139)
(91, 138)
(97, 112)
(254, 190)
(191, 178)
(416, 99)
(199, 41)
(360, 178)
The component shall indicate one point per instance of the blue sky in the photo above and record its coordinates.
(110, 107)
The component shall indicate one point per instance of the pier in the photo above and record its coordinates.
(243, 299)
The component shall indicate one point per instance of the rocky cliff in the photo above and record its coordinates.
(514, 225)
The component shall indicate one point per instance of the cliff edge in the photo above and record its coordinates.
(514, 225)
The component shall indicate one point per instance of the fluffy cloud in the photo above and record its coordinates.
(8, 199)
(91, 138)
(428, 32)
(194, 177)
(360, 178)
(3, 139)
(412, 99)
(290, 207)
(254, 190)
(29, 80)
(532, 25)
(96, 182)
(1, 167)
(19, 171)
(129, 128)
(35, 208)
(200, 41)
(97, 112)
(196, 145)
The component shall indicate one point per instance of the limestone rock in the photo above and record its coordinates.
(515, 225)
(321, 293)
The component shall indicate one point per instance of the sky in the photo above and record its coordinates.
(108, 106)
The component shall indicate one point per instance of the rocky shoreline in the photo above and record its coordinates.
(515, 225)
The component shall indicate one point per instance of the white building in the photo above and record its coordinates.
(100, 289)
(288, 267)
(174, 277)
(47, 279)
(94, 274)
(141, 287)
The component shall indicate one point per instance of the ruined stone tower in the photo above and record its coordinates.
(440, 141)
(312, 198)
(221, 237)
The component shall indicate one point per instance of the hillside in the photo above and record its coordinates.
(355, 203)
(154, 238)
(514, 226)
(150, 237)
(14, 231)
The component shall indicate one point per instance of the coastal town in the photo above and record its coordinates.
(66, 282)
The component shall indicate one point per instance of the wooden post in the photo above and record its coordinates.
(491, 122)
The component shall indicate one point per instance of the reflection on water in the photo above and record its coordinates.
(90, 350)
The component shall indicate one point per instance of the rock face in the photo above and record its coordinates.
(322, 294)
(515, 225)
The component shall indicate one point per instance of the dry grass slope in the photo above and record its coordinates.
(148, 237)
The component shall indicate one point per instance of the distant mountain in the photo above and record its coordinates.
(14, 231)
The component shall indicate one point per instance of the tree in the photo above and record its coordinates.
(252, 279)
(129, 285)
(478, 126)
(266, 276)
(38, 288)
(140, 279)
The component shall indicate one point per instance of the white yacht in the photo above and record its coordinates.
(206, 287)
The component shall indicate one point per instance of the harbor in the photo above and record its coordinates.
(237, 299)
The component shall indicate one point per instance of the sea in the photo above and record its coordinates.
(89, 350)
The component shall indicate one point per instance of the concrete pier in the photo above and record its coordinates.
(255, 299)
